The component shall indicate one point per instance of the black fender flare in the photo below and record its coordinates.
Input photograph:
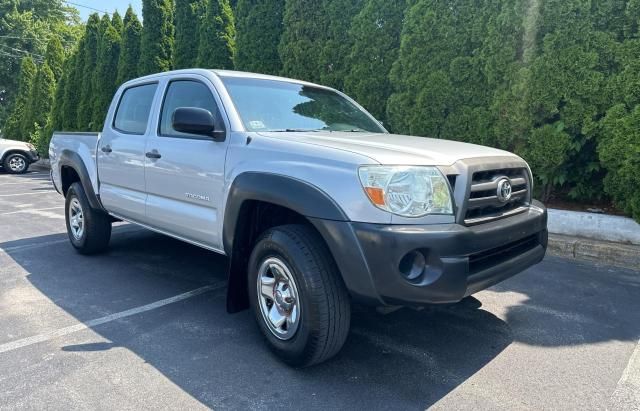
(294, 194)
(73, 160)
(297, 195)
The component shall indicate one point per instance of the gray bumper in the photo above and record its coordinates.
(460, 260)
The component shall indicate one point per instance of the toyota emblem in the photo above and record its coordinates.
(504, 190)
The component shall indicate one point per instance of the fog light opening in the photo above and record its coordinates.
(412, 265)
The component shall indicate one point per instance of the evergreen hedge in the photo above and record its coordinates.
(556, 81)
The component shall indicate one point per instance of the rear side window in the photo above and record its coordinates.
(134, 109)
(187, 93)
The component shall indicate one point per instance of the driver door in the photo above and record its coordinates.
(185, 172)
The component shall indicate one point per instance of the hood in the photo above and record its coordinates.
(394, 149)
(14, 143)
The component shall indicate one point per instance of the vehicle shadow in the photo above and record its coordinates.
(407, 359)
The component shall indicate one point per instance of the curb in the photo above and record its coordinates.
(606, 252)
(599, 227)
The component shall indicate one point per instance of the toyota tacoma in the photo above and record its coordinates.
(313, 201)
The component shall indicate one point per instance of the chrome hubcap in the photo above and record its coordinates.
(17, 163)
(278, 298)
(76, 219)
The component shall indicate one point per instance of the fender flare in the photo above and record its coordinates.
(296, 195)
(73, 160)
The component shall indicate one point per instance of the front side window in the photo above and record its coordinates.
(134, 108)
(187, 93)
(271, 105)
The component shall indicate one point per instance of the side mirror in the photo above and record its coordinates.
(194, 120)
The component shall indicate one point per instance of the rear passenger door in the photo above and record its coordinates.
(185, 172)
(121, 153)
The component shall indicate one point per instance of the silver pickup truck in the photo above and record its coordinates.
(313, 201)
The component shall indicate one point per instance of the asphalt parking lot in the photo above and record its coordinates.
(144, 326)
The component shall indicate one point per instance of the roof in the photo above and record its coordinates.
(225, 73)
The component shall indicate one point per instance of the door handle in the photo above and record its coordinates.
(153, 155)
(106, 149)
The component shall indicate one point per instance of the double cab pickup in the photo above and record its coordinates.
(315, 204)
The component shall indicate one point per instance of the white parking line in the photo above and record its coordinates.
(33, 245)
(31, 210)
(626, 397)
(26, 194)
(25, 342)
(28, 182)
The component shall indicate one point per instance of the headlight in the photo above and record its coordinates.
(407, 191)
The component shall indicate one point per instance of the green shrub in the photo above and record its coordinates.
(619, 150)
(546, 153)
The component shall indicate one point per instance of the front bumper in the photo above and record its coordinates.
(460, 260)
(33, 156)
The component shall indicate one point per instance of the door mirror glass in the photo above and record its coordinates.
(194, 120)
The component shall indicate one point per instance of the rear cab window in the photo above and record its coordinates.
(134, 109)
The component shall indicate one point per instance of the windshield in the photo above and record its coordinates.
(269, 105)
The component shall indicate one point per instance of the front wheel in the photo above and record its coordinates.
(89, 230)
(297, 295)
(16, 164)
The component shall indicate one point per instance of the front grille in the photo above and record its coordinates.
(486, 259)
(483, 204)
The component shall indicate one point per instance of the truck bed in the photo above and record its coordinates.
(68, 143)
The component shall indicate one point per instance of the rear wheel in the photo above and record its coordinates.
(16, 164)
(297, 295)
(89, 230)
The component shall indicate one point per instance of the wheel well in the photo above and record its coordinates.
(14, 151)
(254, 218)
(68, 176)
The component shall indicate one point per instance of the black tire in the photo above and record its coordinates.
(325, 311)
(16, 164)
(96, 232)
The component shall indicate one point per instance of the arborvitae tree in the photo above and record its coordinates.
(305, 28)
(104, 81)
(217, 34)
(57, 113)
(189, 14)
(157, 37)
(440, 79)
(72, 93)
(40, 102)
(259, 30)
(130, 50)
(117, 23)
(87, 70)
(55, 56)
(619, 151)
(619, 131)
(376, 35)
(337, 46)
(568, 89)
(13, 127)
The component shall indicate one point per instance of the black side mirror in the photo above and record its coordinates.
(194, 120)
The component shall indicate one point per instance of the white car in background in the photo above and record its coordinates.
(17, 156)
